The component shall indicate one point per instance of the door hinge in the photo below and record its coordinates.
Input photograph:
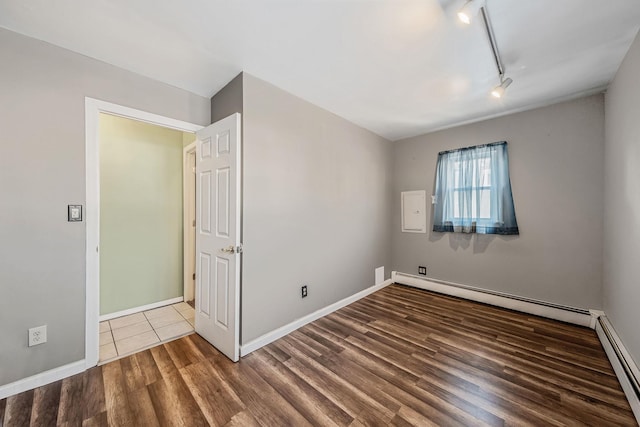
(194, 276)
(194, 223)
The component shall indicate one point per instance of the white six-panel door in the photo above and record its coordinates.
(218, 246)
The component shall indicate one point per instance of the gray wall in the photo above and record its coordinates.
(556, 162)
(42, 140)
(141, 239)
(621, 289)
(316, 200)
(228, 100)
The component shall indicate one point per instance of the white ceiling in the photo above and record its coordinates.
(397, 67)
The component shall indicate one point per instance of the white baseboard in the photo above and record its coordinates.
(619, 360)
(573, 315)
(41, 379)
(135, 310)
(270, 337)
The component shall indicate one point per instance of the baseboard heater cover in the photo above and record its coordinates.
(625, 368)
(577, 316)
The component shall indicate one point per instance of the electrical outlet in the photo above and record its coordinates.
(303, 291)
(37, 335)
(422, 270)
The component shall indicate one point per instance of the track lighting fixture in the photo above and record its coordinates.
(466, 14)
(498, 91)
(470, 10)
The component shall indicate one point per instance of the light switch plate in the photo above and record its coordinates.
(74, 213)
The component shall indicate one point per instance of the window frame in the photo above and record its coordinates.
(484, 221)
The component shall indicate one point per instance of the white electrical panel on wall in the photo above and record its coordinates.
(414, 211)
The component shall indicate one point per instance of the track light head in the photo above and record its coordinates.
(470, 10)
(498, 91)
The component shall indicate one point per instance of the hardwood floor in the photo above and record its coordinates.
(400, 357)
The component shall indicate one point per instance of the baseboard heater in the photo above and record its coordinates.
(625, 368)
(578, 316)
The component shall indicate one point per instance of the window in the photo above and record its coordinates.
(473, 191)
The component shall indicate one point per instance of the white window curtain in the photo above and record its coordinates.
(473, 191)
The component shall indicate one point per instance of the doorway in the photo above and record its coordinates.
(218, 225)
(94, 109)
(143, 209)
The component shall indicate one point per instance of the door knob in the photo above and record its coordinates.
(230, 249)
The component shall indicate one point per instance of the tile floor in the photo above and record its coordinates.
(129, 334)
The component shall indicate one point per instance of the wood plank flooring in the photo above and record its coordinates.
(401, 356)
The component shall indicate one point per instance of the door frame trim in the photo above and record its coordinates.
(93, 108)
(185, 226)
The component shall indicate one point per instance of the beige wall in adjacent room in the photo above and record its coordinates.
(188, 138)
(140, 213)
